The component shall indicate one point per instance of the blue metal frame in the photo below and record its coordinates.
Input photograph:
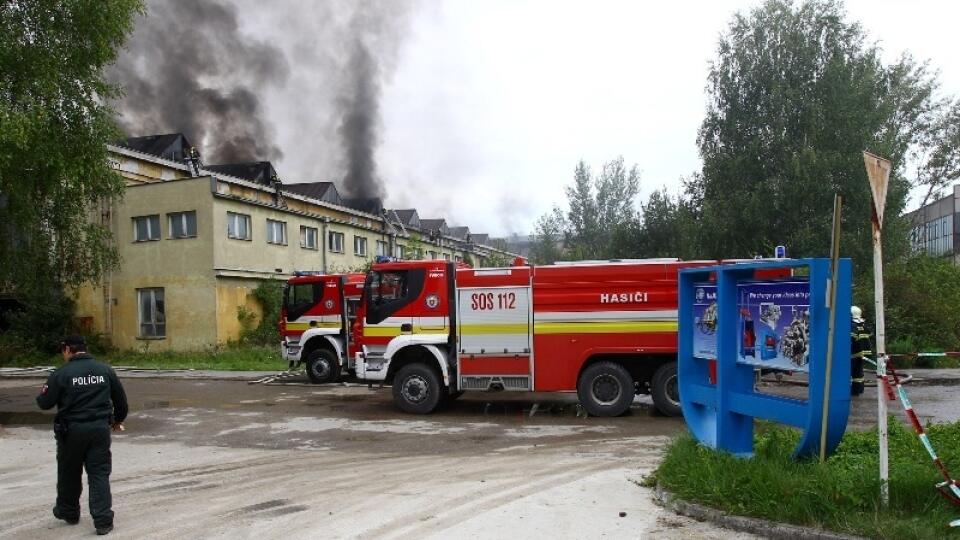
(721, 415)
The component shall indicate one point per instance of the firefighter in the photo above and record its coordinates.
(90, 401)
(859, 349)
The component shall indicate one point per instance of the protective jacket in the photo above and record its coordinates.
(85, 391)
(860, 340)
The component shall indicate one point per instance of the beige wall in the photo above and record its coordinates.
(182, 267)
(231, 294)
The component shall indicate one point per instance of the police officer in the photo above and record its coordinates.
(90, 401)
(859, 349)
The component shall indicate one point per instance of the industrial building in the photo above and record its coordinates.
(195, 240)
(934, 226)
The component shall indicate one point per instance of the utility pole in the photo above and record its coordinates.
(878, 173)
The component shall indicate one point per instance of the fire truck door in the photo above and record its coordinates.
(390, 313)
(494, 337)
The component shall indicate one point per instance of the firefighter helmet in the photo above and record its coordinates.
(856, 314)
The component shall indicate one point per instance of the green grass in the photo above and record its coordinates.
(841, 494)
(233, 358)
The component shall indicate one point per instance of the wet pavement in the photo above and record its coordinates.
(227, 459)
(214, 458)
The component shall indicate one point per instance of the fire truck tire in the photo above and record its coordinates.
(323, 366)
(605, 389)
(664, 390)
(417, 389)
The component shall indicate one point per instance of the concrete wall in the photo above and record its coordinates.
(182, 267)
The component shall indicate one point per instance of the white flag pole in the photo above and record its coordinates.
(878, 173)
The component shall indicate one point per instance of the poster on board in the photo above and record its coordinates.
(773, 323)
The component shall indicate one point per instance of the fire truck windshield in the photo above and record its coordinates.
(300, 297)
(386, 291)
(386, 286)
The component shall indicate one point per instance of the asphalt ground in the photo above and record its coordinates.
(207, 458)
(208, 455)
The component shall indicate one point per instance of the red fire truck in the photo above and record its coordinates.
(606, 330)
(316, 312)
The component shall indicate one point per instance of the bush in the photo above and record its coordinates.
(46, 317)
(921, 298)
(269, 294)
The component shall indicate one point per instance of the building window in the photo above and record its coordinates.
(335, 241)
(146, 228)
(446, 256)
(359, 246)
(276, 232)
(151, 313)
(431, 255)
(238, 226)
(308, 237)
(398, 251)
(382, 249)
(182, 224)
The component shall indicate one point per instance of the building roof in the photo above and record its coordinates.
(408, 217)
(172, 146)
(480, 239)
(322, 191)
(434, 226)
(370, 205)
(261, 172)
(460, 232)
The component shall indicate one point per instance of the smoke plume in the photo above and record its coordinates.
(375, 30)
(359, 125)
(188, 68)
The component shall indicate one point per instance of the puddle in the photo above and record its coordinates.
(25, 418)
(156, 404)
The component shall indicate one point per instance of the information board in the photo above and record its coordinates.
(773, 323)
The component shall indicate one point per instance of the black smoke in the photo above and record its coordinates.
(359, 125)
(374, 33)
(189, 69)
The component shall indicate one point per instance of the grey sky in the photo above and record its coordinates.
(487, 106)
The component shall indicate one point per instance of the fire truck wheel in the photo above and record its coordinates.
(416, 389)
(605, 389)
(664, 390)
(322, 366)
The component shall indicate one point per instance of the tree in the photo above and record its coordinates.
(598, 206)
(548, 238)
(54, 126)
(938, 157)
(795, 95)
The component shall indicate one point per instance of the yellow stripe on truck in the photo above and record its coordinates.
(393, 331)
(491, 329)
(624, 327)
(306, 326)
(571, 327)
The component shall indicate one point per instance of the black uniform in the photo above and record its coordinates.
(859, 349)
(89, 397)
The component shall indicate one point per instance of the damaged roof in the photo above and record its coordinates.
(172, 146)
(321, 191)
(261, 172)
(370, 205)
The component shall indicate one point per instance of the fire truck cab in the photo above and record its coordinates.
(315, 316)
(607, 330)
